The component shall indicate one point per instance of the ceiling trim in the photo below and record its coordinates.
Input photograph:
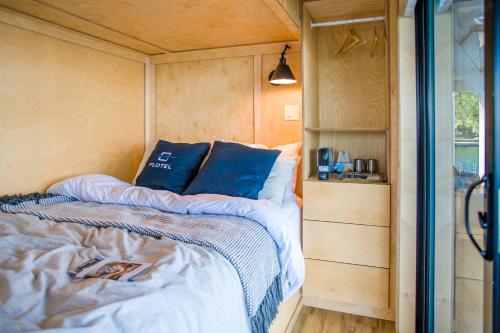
(225, 52)
(26, 22)
(61, 10)
(282, 14)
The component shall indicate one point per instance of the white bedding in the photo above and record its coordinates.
(191, 288)
(107, 189)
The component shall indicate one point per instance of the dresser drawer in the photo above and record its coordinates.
(347, 243)
(347, 283)
(347, 202)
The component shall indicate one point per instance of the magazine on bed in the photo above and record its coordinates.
(112, 269)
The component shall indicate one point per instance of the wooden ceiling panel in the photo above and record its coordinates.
(332, 10)
(41, 11)
(161, 26)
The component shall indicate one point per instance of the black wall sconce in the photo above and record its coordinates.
(282, 74)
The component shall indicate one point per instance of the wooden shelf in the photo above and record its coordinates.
(334, 179)
(345, 129)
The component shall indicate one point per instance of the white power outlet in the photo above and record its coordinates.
(291, 112)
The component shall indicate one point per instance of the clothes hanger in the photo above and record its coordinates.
(349, 36)
(374, 42)
(358, 43)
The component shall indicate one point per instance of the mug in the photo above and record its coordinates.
(371, 166)
(359, 165)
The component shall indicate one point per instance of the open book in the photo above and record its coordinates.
(105, 268)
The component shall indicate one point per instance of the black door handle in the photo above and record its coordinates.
(483, 218)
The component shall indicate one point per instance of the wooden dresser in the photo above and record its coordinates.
(349, 104)
(346, 235)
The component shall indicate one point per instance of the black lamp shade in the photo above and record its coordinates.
(282, 74)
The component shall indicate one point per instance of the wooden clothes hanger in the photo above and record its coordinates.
(349, 40)
(374, 42)
(355, 42)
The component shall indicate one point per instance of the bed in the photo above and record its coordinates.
(219, 263)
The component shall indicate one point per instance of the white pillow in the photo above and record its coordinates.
(291, 149)
(280, 178)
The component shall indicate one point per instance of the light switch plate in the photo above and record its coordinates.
(291, 112)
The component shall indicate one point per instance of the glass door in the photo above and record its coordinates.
(463, 168)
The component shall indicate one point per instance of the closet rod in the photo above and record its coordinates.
(345, 22)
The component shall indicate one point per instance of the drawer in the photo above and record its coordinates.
(347, 243)
(347, 202)
(346, 283)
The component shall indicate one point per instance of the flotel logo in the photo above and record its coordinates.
(164, 157)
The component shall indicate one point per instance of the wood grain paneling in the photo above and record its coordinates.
(468, 305)
(35, 25)
(66, 110)
(224, 52)
(362, 145)
(287, 313)
(346, 243)
(275, 130)
(158, 26)
(346, 283)
(352, 86)
(310, 94)
(287, 12)
(346, 202)
(293, 8)
(205, 100)
(314, 320)
(63, 19)
(468, 262)
(393, 139)
(406, 259)
(332, 10)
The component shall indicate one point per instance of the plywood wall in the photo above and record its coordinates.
(205, 100)
(352, 86)
(406, 260)
(273, 129)
(66, 110)
(228, 98)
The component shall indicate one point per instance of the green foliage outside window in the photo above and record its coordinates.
(466, 115)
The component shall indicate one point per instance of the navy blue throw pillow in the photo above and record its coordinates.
(235, 170)
(172, 166)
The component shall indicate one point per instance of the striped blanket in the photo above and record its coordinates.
(245, 244)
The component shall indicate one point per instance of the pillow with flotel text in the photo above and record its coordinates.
(172, 166)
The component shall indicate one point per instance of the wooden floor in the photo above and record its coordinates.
(312, 320)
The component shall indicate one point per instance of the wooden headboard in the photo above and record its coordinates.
(226, 98)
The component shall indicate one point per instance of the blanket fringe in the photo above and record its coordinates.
(17, 199)
(262, 319)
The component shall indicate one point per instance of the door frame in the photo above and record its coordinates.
(424, 57)
(425, 80)
(492, 104)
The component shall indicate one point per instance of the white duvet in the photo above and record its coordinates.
(190, 289)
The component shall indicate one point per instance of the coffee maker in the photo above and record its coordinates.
(325, 156)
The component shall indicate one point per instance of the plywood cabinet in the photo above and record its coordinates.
(348, 100)
(347, 283)
(347, 243)
(347, 202)
(346, 237)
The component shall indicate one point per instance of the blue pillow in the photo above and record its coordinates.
(235, 170)
(172, 166)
